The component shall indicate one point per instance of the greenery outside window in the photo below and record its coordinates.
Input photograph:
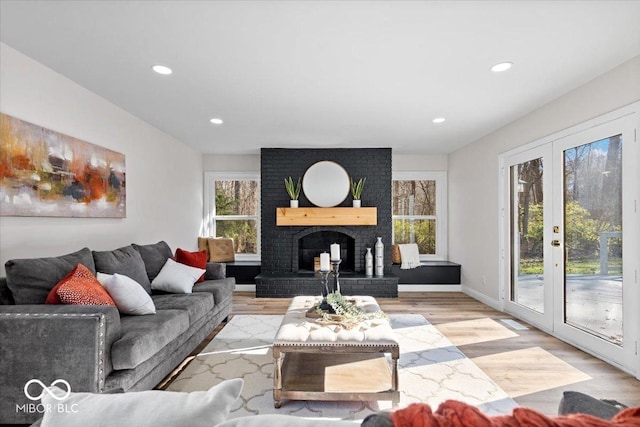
(232, 203)
(419, 212)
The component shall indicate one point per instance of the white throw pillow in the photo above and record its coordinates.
(152, 408)
(285, 421)
(176, 277)
(103, 277)
(129, 295)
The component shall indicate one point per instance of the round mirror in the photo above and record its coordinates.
(326, 184)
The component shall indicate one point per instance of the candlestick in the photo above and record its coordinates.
(335, 251)
(335, 263)
(324, 274)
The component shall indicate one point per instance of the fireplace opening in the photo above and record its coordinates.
(313, 244)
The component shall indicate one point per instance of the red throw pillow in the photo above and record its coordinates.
(192, 259)
(81, 287)
(53, 297)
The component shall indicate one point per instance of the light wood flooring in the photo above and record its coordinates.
(533, 367)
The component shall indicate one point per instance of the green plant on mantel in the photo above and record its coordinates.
(292, 188)
(357, 187)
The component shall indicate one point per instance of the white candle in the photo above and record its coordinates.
(335, 252)
(324, 261)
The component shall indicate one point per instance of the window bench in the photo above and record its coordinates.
(429, 273)
(244, 271)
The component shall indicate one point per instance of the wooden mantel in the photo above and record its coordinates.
(326, 216)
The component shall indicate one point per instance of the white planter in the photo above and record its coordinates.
(293, 203)
(356, 203)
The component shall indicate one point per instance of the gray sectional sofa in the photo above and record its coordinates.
(95, 348)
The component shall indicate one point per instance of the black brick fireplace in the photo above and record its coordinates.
(287, 252)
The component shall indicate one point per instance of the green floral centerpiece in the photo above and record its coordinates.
(345, 312)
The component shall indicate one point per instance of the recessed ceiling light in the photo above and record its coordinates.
(502, 66)
(438, 120)
(161, 69)
(216, 121)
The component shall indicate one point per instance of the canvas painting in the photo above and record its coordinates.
(47, 173)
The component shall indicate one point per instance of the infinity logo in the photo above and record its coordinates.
(46, 389)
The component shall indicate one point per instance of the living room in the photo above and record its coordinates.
(65, 68)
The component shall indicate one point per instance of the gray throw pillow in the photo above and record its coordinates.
(154, 256)
(574, 402)
(125, 261)
(379, 419)
(31, 280)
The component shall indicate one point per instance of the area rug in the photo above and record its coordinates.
(431, 370)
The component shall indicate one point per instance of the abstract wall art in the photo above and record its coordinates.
(47, 173)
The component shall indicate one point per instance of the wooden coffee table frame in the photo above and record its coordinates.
(366, 372)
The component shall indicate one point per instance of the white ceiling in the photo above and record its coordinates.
(326, 74)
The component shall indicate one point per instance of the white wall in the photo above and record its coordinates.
(473, 171)
(400, 162)
(405, 162)
(164, 176)
(231, 163)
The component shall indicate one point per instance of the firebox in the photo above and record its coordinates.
(311, 244)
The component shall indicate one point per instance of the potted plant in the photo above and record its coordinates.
(293, 190)
(356, 190)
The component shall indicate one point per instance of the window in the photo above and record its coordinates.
(419, 212)
(233, 211)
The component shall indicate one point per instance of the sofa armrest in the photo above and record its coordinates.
(215, 271)
(222, 289)
(51, 342)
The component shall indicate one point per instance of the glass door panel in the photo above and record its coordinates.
(528, 270)
(593, 238)
(527, 234)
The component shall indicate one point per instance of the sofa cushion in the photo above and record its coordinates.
(126, 261)
(144, 336)
(154, 257)
(197, 305)
(30, 280)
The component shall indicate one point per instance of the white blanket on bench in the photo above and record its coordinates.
(409, 255)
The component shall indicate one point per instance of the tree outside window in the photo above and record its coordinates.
(235, 213)
(417, 213)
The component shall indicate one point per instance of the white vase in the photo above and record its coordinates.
(293, 203)
(368, 263)
(356, 203)
(379, 257)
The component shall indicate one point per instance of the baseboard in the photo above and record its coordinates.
(493, 303)
(429, 288)
(245, 288)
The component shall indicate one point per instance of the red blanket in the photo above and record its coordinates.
(457, 414)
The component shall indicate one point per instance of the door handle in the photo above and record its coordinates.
(555, 242)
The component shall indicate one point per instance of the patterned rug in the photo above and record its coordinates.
(431, 370)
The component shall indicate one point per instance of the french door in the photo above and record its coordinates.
(570, 239)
